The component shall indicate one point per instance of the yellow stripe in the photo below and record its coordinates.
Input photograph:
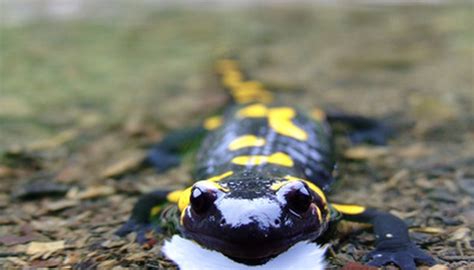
(182, 197)
(277, 158)
(281, 159)
(252, 96)
(312, 186)
(320, 216)
(174, 196)
(349, 209)
(249, 86)
(241, 91)
(181, 217)
(280, 120)
(213, 122)
(246, 141)
(221, 176)
(256, 110)
(225, 65)
(232, 79)
(276, 186)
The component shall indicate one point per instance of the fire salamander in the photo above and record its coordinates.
(263, 170)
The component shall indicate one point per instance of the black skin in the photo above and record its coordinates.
(392, 240)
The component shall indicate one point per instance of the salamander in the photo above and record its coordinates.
(263, 171)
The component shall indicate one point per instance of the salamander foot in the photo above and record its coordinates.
(404, 257)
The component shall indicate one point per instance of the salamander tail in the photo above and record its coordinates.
(241, 89)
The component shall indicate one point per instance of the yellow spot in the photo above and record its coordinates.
(155, 210)
(246, 91)
(281, 159)
(249, 86)
(277, 158)
(276, 186)
(184, 199)
(252, 95)
(246, 141)
(219, 187)
(280, 120)
(221, 176)
(318, 115)
(225, 65)
(181, 217)
(173, 197)
(349, 209)
(242, 91)
(256, 110)
(213, 122)
(232, 79)
(312, 186)
(318, 211)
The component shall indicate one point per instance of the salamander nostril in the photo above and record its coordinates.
(299, 200)
(201, 200)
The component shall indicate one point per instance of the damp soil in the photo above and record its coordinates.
(82, 100)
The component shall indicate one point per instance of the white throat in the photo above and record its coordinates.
(188, 255)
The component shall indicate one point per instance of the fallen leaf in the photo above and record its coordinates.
(45, 263)
(10, 240)
(72, 258)
(413, 151)
(91, 192)
(438, 267)
(365, 152)
(17, 261)
(431, 230)
(107, 264)
(357, 266)
(135, 124)
(36, 248)
(6, 172)
(61, 204)
(132, 161)
(49, 225)
(113, 243)
(139, 256)
(53, 142)
(40, 188)
(460, 234)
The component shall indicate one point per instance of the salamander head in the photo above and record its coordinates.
(253, 220)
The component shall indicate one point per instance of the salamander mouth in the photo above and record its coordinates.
(249, 252)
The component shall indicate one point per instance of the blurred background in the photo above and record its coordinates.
(87, 86)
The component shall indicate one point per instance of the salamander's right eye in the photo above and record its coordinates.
(299, 199)
(202, 199)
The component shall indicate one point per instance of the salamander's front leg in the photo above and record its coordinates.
(363, 129)
(167, 153)
(393, 244)
(145, 211)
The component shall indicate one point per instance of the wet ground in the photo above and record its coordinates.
(81, 102)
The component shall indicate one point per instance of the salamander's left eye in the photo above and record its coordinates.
(299, 198)
(201, 199)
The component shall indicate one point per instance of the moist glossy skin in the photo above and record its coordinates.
(313, 156)
(266, 168)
